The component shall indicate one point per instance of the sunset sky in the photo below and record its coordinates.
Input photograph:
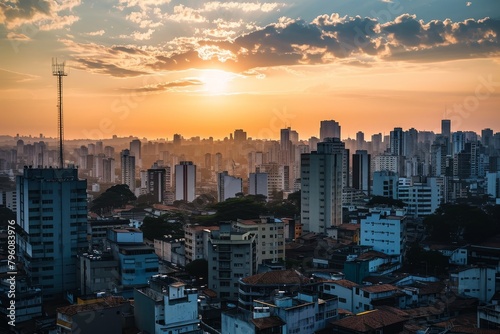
(152, 68)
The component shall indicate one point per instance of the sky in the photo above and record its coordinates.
(153, 68)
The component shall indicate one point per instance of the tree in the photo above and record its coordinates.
(167, 224)
(382, 200)
(146, 200)
(115, 197)
(462, 222)
(198, 268)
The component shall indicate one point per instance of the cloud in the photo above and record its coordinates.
(17, 37)
(139, 36)
(96, 33)
(142, 4)
(45, 14)
(103, 67)
(243, 6)
(58, 22)
(116, 60)
(166, 86)
(186, 14)
(332, 38)
(326, 39)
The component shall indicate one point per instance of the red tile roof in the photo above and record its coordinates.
(277, 277)
(379, 288)
(345, 283)
(369, 321)
(267, 322)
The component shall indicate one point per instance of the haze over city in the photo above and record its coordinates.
(155, 68)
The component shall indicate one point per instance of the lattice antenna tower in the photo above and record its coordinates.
(58, 71)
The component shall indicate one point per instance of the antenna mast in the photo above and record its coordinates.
(58, 71)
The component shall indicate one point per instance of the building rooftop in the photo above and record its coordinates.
(372, 255)
(106, 302)
(379, 288)
(345, 283)
(350, 227)
(370, 321)
(276, 277)
(267, 322)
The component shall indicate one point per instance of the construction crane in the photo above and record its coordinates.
(58, 71)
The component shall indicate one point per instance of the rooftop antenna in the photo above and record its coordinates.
(58, 71)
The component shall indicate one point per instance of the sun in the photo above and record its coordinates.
(216, 82)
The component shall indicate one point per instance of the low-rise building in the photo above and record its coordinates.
(265, 284)
(477, 282)
(166, 306)
(302, 313)
(99, 316)
(385, 230)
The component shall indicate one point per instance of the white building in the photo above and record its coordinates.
(493, 184)
(305, 313)
(344, 290)
(228, 186)
(185, 181)
(196, 241)
(385, 231)
(166, 306)
(392, 163)
(476, 282)
(270, 238)
(321, 184)
(421, 199)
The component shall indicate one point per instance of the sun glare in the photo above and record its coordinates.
(216, 82)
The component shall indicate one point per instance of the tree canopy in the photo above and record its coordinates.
(198, 268)
(452, 222)
(167, 224)
(115, 197)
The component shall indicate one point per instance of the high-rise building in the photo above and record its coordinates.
(257, 184)
(446, 128)
(396, 144)
(376, 143)
(231, 256)
(329, 129)
(361, 171)
(108, 167)
(218, 162)
(321, 183)
(52, 215)
(360, 140)
(135, 150)
(228, 186)
(157, 183)
(128, 169)
(240, 135)
(458, 142)
(185, 181)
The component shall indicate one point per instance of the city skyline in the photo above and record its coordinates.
(155, 68)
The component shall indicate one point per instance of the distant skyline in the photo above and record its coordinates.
(153, 68)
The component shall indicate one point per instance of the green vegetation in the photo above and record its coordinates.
(382, 200)
(167, 224)
(452, 222)
(428, 262)
(198, 268)
(115, 197)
